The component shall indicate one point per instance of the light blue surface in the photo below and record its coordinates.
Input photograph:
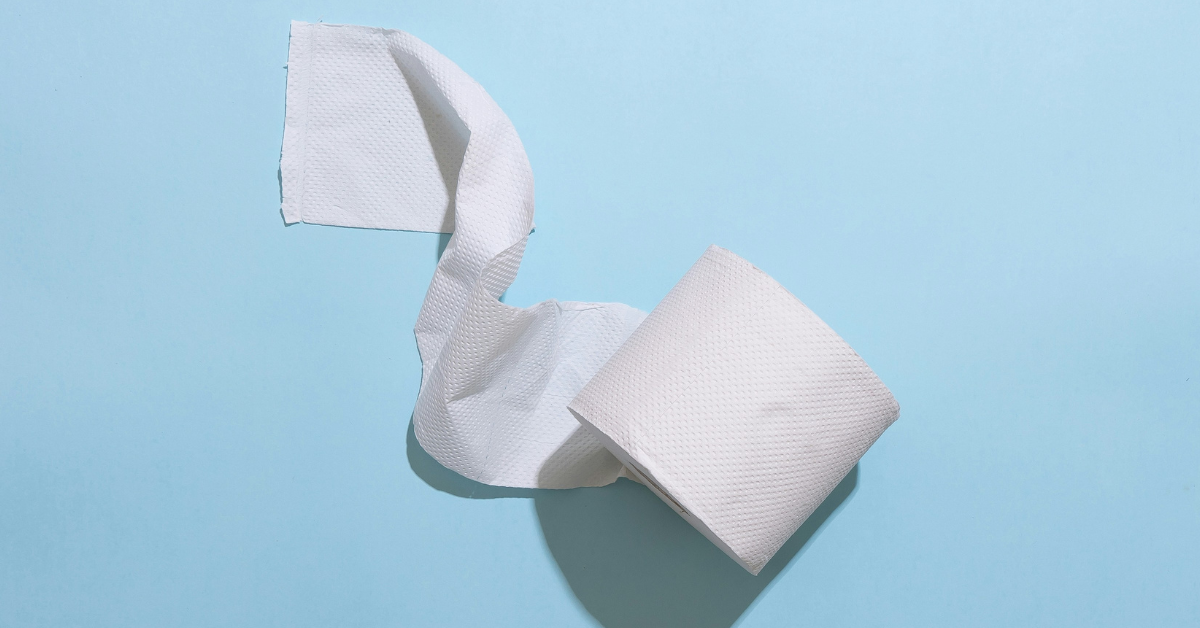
(203, 414)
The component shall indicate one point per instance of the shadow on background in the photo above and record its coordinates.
(629, 559)
(443, 240)
(632, 561)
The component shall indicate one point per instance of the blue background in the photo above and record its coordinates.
(204, 416)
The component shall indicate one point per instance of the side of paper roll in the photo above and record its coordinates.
(737, 405)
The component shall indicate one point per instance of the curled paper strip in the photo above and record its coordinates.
(733, 401)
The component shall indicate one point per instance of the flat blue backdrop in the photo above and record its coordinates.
(204, 415)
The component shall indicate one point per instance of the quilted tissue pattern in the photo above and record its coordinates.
(737, 405)
(733, 401)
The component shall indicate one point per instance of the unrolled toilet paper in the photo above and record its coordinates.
(733, 402)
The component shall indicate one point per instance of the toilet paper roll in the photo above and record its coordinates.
(733, 402)
(737, 406)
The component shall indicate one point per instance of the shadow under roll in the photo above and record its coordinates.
(632, 561)
(628, 558)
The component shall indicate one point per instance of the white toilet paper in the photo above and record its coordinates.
(734, 401)
(382, 131)
(737, 405)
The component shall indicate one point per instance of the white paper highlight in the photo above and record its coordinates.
(733, 401)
